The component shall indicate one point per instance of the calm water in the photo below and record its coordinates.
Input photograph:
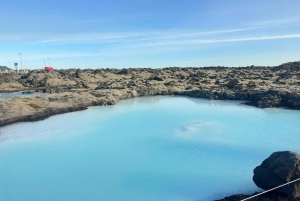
(144, 149)
(14, 94)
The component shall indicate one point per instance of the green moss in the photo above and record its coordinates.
(192, 82)
(34, 106)
(98, 95)
(25, 99)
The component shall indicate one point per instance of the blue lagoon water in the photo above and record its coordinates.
(145, 149)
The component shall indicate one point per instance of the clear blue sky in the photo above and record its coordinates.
(149, 33)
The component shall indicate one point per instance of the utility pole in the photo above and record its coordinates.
(20, 59)
(49, 61)
(44, 63)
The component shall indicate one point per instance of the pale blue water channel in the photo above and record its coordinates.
(15, 94)
(143, 149)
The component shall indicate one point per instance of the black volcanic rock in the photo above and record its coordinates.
(232, 83)
(290, 66)
(78, 73)
(269, 101)
(124, 72)
(157, 78)
(278, 169)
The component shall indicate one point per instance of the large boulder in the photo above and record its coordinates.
(279, 168)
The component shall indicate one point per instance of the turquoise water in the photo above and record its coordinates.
(14, 94)
(145, 149)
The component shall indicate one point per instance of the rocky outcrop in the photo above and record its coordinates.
(261, 99)
(278, 169)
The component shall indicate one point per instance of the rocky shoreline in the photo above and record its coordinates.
(41, 106)
(75, 89)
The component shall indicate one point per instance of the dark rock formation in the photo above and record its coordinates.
(269, 101)
(289, 66)
(232, 83)
(157, 78)
(85, 85)
(251, 84)
(124, 72)
(27, 75)
(78, 73)
(278, 169)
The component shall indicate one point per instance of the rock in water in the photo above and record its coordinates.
(279, 168)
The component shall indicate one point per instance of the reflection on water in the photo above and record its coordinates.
(151, 149)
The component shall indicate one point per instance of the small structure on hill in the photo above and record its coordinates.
(49, 68)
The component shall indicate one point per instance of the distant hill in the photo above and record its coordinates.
(4, 68)
(291, 66)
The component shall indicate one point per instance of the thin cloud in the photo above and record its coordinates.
(168, 35)
(81, 38)
(278, 22)
(133, 36)
(194, 42)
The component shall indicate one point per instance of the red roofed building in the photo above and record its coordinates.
(49, 68)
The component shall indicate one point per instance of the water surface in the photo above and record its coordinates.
(150, 149)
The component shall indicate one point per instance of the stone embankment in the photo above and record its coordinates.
(75, 89)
